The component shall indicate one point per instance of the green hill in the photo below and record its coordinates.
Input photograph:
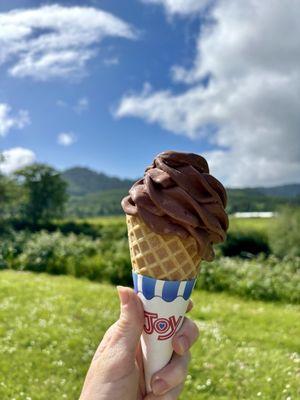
(83, 181)
(104, 202)
(288, 191)
(260, 199)
(95, 193)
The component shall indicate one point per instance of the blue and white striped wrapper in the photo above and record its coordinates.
(166, 290)
(165, 303)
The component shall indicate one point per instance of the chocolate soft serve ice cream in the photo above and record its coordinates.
(178, 197)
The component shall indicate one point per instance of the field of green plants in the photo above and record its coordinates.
(247, 308)
(259, 260)
(50, 327)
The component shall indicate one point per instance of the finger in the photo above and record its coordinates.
(171, 375)
(130, 324)
(140, 364)
(171, 395)
(190, 305)
(104, 342)
(185, 337)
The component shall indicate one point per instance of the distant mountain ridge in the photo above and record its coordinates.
(291, 190)
(94, 193)
(82, 181)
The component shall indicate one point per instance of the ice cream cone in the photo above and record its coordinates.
(176, 198)
(166, 257)
(165, 270)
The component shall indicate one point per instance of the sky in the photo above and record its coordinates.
(108, 84)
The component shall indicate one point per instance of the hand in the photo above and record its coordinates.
(116, 371)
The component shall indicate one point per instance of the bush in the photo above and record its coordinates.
(92, 267)
(56, 253)
(107, 258)
(4, 227)
(285, 235)
(260, 278)
(6, 254)
(65, 227)
(11, 246)
(118, 264)
(79, 228)
(245, 244)
(113, 233)
(118, 270)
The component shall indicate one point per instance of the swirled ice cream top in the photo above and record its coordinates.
(177, 195)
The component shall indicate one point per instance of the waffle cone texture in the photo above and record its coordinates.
(166, 257)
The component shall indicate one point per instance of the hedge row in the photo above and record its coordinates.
(259, 278)
(107, 259)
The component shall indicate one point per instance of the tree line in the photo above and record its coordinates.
(38, 194)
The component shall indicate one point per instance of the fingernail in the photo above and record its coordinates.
(183, 344)
(159, 387)
(123, 295)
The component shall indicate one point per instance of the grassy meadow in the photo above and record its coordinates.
(51, 326)
(106, 220)
(257, 224)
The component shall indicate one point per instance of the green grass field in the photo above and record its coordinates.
(50, 327)
(109, 220)
(257, 224)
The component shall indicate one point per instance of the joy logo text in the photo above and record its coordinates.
(165, 327)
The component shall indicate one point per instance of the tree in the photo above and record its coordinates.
(46, 193)
(2, 195)
(3, 191)
(285, 233)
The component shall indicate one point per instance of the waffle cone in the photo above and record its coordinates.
(166, 257)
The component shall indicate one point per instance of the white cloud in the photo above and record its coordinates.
(111, 61)
(15, 158)
(249, 110)
(10, 121)
(180, 7)
(66, 138)
(61, 103)
(81, 105)
(55, 41)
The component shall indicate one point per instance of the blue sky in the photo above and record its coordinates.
(111, 90)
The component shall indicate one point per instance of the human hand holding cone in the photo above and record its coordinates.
(174, 215)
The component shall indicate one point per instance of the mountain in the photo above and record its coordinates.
(95, 193)
(255, 200)
(263, 198)
(105, 202)
(289, 191)
(83, 181)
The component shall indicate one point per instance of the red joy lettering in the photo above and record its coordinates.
(161, 325)
(164, 327)
(148, 324)
(172, 328)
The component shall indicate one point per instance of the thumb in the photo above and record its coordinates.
(131, 321)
